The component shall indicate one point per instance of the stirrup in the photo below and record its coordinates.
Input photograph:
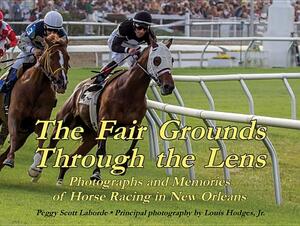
(94, 87)
(6, 108)
(100, 78)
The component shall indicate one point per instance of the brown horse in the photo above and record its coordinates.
(34, 95)
(123, 100)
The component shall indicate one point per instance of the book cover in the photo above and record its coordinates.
(186, 187)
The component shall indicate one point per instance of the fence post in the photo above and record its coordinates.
(187, 25)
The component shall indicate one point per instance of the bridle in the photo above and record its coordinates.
(153, 77)
(46, 66)
(156, 75)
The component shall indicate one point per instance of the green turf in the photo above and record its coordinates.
(21, 199)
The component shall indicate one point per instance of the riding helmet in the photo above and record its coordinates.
(143, 19)
(53, 20)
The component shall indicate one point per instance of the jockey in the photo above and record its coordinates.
(32, 45)
(125, 39)
(7, 36)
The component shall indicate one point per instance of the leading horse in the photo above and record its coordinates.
(34, 95)
(123, 100)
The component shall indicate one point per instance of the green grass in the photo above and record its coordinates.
(21, 199)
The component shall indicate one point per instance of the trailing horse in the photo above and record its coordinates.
(34, 96)
(123, 100)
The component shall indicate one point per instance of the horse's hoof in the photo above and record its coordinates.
(35, 179)
(59, 182)
(95, 177)
(120, 172)
(9, 162)
(34, 172)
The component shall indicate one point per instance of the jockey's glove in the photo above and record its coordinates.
(37, 53)
(133, 51)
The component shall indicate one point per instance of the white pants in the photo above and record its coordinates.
(117, 57)
(19, 63)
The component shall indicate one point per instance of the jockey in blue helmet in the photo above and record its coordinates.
(32, 45)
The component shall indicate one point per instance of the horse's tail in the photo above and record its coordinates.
(77, 87)
(68, 110)
(70, 103)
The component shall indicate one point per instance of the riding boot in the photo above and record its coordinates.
(11, 79)
(7, 87)
(7, 101)
(105, 71)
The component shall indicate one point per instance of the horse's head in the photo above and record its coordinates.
(55, 62)
(160, 64)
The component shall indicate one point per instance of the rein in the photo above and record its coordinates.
(151, 72)
(46, 67)
(150, 75)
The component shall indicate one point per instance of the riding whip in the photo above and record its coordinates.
(6, 67)
(129, 55)
(13, 59)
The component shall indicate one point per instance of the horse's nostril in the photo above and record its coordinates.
(166, 87)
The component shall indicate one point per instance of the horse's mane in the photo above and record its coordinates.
(52, 39)
(147, 49)
(55, 39)
(143, 52)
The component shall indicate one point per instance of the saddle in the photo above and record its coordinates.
(20, 72)
(90, 98)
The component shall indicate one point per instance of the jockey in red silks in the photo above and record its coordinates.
(7, 36)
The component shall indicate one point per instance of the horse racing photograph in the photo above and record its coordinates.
(149, 112)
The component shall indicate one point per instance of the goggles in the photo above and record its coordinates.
(51, 29)
(140, 26)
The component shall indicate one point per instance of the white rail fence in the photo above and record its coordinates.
(241, 78)
(183, 54)
(210, 46)
(233, 27)
(209, 116)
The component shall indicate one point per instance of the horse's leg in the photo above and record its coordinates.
(100, 151)
(88, 143)
(35, 171)
(16, 142)
(68, 120)
(3, 157)
(129, 153)
(3, 132)
(67, 117)
(1, 140)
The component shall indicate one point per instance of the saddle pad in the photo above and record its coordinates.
(91, 98)
(114, 75)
